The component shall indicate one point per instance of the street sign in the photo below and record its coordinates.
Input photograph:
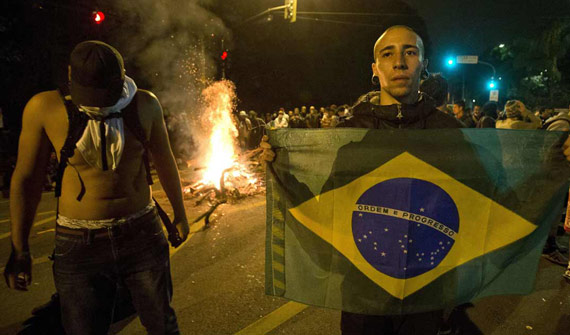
(494, 95)
(467, 59)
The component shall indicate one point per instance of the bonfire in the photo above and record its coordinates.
(226, 173)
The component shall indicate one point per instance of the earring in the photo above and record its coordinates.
(425, 74)
(375, 80)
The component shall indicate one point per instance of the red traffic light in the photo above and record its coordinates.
(224, 55)
(98, 17)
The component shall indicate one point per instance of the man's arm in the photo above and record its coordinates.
(166, 168)
(26, 186)
(532, 119)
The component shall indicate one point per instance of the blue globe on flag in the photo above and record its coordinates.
(405, 227)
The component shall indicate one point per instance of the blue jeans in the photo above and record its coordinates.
(88, 268)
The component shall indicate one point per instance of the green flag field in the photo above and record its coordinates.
(404, 221)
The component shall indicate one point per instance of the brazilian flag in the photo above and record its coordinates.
(393, 222)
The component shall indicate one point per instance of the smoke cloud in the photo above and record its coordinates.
(173, 46)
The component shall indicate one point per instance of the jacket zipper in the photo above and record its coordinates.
(400, 115)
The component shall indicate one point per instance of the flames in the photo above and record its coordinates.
(220, 161)
(221, 148)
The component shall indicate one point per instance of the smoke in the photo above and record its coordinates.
(173, 46)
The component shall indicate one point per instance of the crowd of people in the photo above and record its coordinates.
(514, 115)
(118, 217)
(252, 127)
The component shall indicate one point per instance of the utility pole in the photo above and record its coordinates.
(463, 86)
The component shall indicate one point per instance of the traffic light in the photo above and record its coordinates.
(224, 55)
(450, 61)
(290, 10)
(98, 17)
(492, 85)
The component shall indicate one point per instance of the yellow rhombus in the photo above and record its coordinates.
(485, 225)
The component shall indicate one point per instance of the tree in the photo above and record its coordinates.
(538, 62)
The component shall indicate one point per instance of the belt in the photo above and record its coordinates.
(113, 231)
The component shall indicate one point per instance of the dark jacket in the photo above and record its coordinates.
(486, 122)
(421, 115)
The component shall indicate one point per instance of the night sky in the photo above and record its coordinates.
(273, 63)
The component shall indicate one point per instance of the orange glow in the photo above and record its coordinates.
(221, 153)
(222, 147)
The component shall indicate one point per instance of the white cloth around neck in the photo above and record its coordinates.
(89, 145)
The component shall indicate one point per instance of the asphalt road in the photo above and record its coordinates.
(218, 277)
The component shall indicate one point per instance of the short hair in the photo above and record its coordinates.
(436, 87)
(420, 40)
(490, 109)
(460, 103)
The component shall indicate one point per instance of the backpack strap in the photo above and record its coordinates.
(77, 122)
(133, 122)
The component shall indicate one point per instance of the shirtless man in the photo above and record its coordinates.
(112, 234)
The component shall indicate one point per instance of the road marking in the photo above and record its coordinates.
(37, 223)
(46, 231)
(41, 213)
(273, 319)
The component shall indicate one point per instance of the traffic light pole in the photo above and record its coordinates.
(223, 63)
(490, 65)
(463, 86)
(289, 8)
(265, 12)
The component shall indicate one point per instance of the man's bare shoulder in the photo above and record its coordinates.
(45, 99)
(148, 102)
(147, 98)
(42, 105)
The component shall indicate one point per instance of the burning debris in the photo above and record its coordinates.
(225, 175)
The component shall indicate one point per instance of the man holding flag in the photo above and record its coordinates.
(399, 64)
(406, 223)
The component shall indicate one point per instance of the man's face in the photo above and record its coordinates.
(456, 109)
(476, 110)
(398, 63)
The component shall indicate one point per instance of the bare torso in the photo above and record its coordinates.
(109, 194)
